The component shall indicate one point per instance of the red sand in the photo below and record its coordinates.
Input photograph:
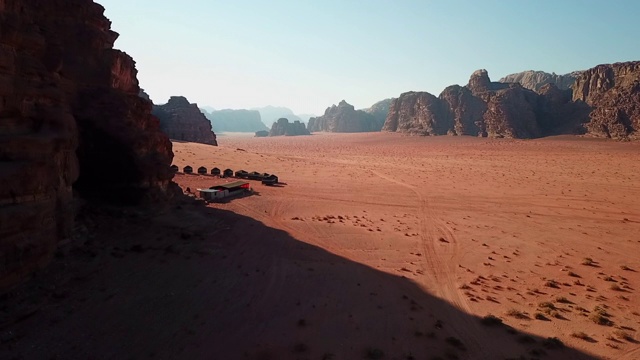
(494, 221)
(377, 244)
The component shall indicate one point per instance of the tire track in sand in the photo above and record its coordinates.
(441, 267)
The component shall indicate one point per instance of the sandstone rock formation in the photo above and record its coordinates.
(184, 121)
(236, 120)
(344, 118)
(482, 108)
(70, 119)
(262, 133)
(379, 111)
(284, 127)
(612, 93)
(535, 80)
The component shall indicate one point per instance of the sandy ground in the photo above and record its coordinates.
(377, 246)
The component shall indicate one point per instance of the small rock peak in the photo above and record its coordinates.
(178, 101)
(283, 121)
(479, 80)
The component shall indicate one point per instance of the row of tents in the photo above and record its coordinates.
(267, 179)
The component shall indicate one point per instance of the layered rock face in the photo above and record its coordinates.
(481, 108)
(70, 118)
(612, 93)
(535, 80)
(284, 127)
(184, 121)
(236, 120)
(344, 118)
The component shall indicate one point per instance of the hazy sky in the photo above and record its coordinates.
(307, 55)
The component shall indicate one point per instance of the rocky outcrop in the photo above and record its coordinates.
(236, 120)
(535, 80)
(482, 108)
(262, 133)
(184, 121)
(284, 127)
(612, 93)
(70, 119)
(344, 118)
(379, 111)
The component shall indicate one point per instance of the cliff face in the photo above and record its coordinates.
(70, 118)
(181, 120)
(535, 80)
(284, 127)
(236, 120)
(612, 92)
(344, 118)
(482, 108)
(379, 111)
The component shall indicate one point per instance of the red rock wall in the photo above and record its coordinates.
(612, 92)
(70, 118)
(184, 121)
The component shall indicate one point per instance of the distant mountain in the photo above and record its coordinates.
(207, 109)
(535, 80)
(271, 114)
(235, 120)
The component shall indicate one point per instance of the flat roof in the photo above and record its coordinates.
(232, 184)
(208, 190)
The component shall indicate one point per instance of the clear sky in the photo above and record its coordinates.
(308, 55)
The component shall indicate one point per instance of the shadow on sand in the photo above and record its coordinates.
(201, 283)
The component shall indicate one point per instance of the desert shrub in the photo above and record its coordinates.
(625, 267)
(517, 314)
(547, 305)
(588, 261)
(563, 300)
(540, 316)
(600, 320)
(581, 335)
(553, 343)
(491, 320)
(552, 284)
(615, 287)
(572, 274)
(455, 342)
(621, 334)
(526, 339)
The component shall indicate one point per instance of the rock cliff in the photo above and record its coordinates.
(284, 127)
(344, 118)
(379, 111)
(184, 121)
(612, 93)
(535, 80)
(481, 108)
(70, 119)
(236, 120)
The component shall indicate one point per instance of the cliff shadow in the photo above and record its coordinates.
(200, 283)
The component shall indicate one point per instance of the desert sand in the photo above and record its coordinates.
(377, 246)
